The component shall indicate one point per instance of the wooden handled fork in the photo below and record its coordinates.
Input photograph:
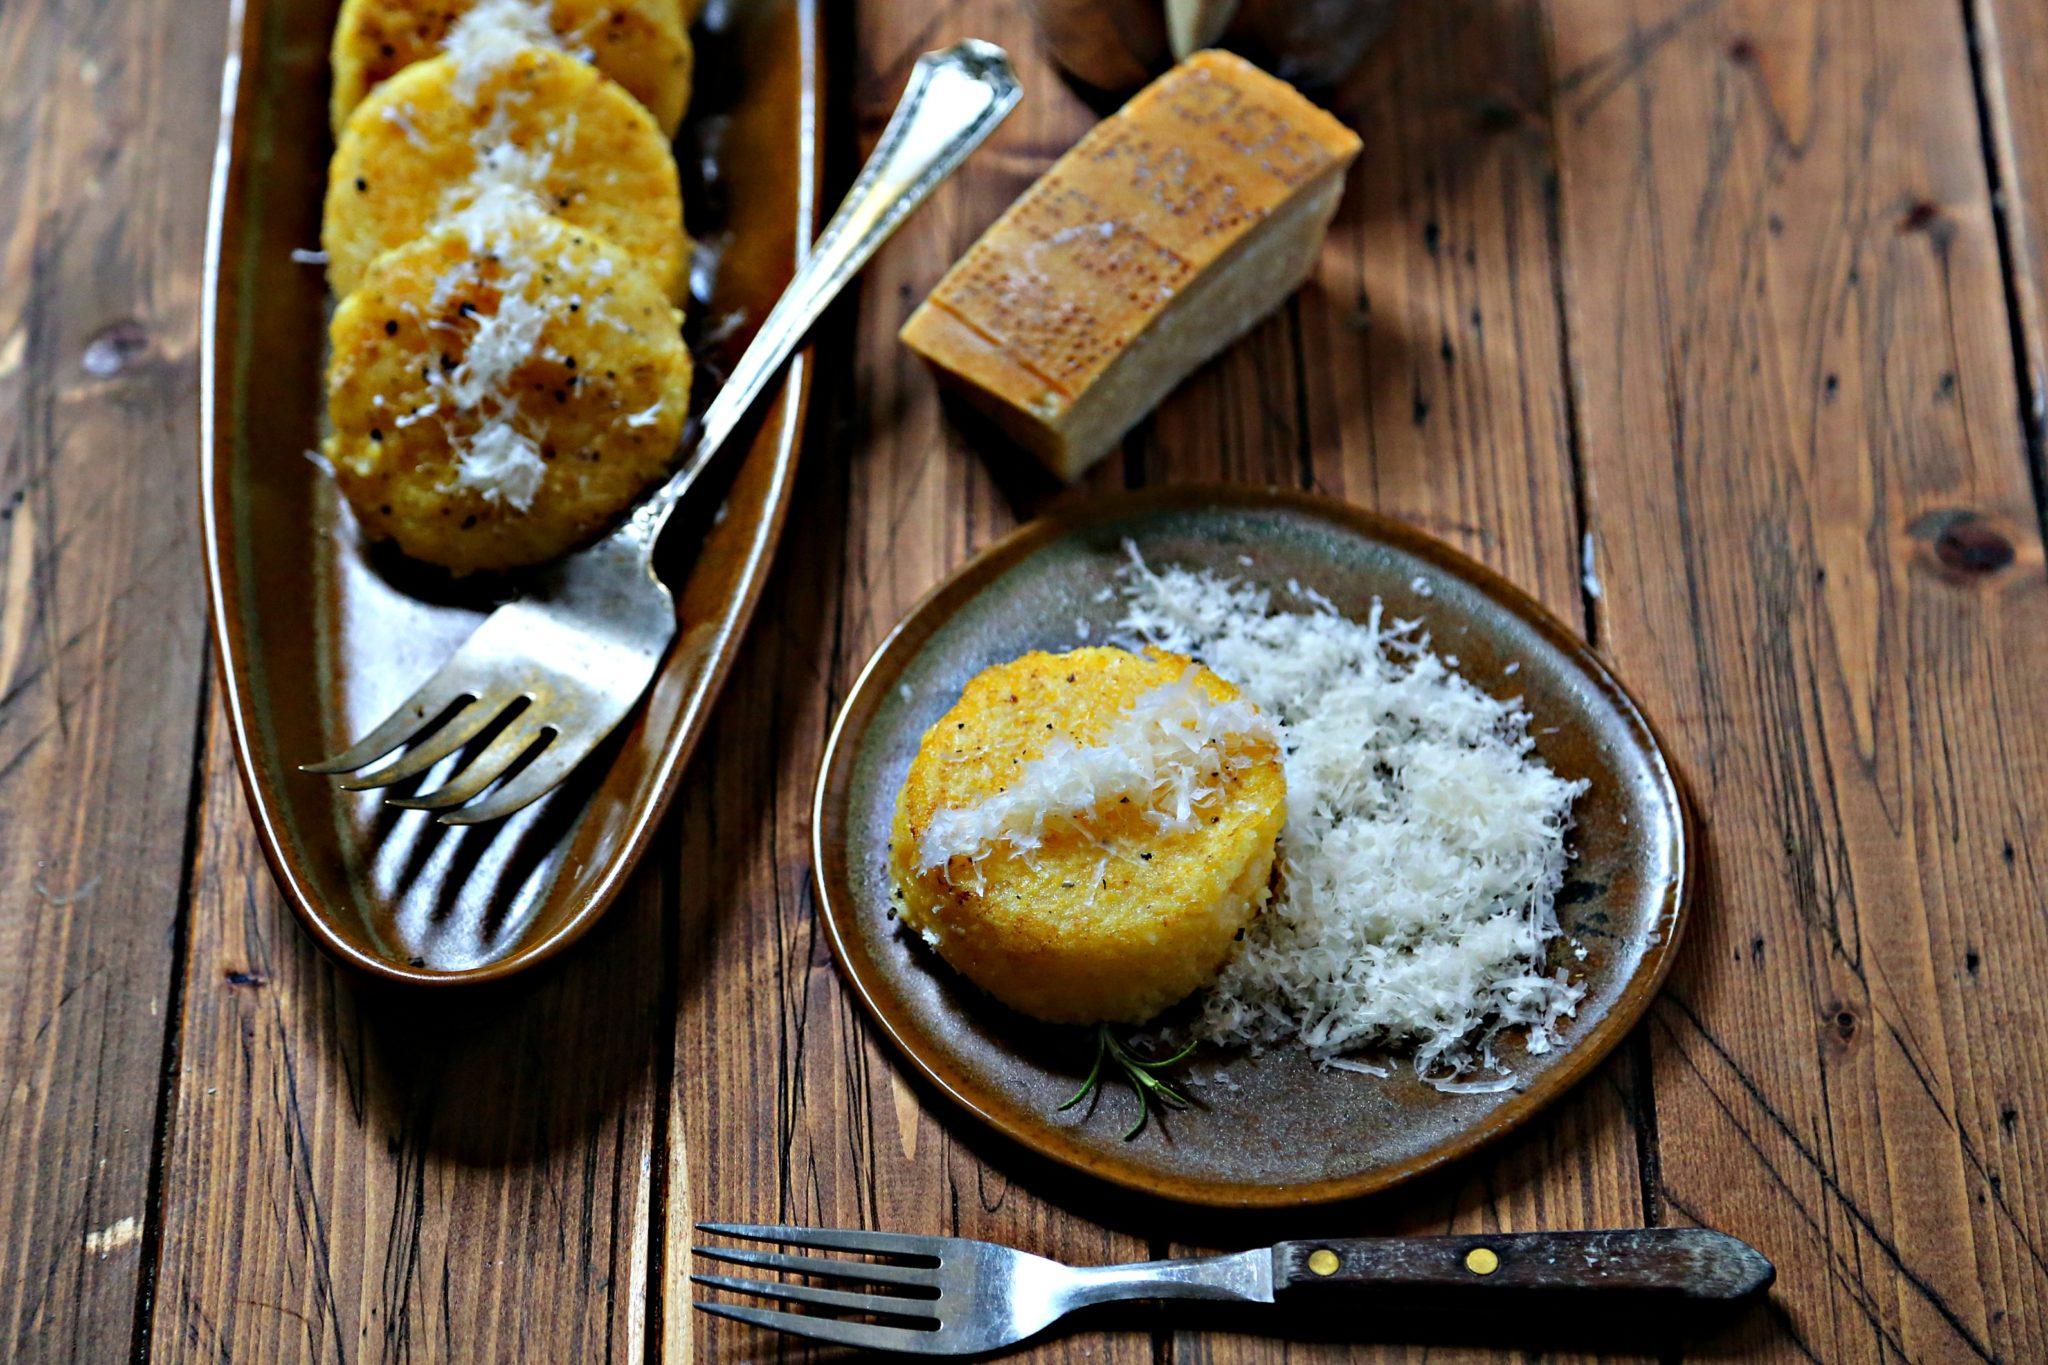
(951, 1296)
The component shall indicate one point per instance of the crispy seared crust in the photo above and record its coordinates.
(644, 45)
(410, 157)
(1078, 930)
(394, 445)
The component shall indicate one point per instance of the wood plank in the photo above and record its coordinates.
(1824, 575)
(356, 1172)
(2012, 71)
(106, 122)
(1434, 391)
(785, 1106)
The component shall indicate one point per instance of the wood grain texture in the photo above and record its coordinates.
(1432, 384)
(785, 1106)
(1809, 494)
(1741, 257)
(106, 120)
(2011, 51)
(366, 1173)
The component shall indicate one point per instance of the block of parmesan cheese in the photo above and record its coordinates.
(1158, 240)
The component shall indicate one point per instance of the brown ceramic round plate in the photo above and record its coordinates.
(1269, 1130)
(319, 635)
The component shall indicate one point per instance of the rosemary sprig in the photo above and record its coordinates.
(1140, 1073)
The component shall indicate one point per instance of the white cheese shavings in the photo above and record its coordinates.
(1167, 754)
(503, 341)
(505, 227)
(646, 416)
(487, 225)
(491, 34)
(401, 116)
(1424, 845)
(502, 464)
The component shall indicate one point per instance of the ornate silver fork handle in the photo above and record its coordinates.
(955, 97)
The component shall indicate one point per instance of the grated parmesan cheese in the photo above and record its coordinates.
(400, 116)
(493, 32)
(1166, 754)
(1424, 845)
(506, 227)
(502, 463)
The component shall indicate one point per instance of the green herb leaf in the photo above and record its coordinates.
(1138, 1073)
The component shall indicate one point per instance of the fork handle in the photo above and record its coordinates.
(1676, 1264)
(954, 100)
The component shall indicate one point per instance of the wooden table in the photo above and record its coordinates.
(1717, 324)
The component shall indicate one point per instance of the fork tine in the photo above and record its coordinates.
(433, 697)
(892, 1305)
(837, 1239)
(823, 1267)
(532, 782)
(867, 1335)
(464, 726)
(486, 768)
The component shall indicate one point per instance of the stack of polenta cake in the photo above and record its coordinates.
(504, 230)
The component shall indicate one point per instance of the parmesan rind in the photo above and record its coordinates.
(1155, 241)
(1424, 844)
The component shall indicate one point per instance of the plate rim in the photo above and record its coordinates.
(787, 413)
(1638, 991)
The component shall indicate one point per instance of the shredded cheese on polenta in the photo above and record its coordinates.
(506, 227)
(491, 33)
(1424, 844)
(1167, 754)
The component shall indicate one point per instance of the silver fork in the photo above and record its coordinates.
(575, 652)
(951, 1296)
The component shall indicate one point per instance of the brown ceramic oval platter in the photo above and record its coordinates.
(319, 635)
(1270, 1130)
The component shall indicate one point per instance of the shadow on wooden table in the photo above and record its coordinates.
(1526, 1327)
(513, 1073)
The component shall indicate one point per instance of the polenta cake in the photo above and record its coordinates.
(431, 139)
(1086, 835)
(644, 45)
(501, 388)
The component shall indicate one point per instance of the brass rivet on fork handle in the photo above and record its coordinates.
(1323, 1261)
(1482, 1260)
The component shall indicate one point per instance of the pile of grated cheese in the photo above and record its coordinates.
(1424, 845)
(1167, 754)
(492, 33)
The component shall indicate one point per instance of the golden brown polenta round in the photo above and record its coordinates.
(501, 389)
(1115, 921)
(644, 45)
(417, 151)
